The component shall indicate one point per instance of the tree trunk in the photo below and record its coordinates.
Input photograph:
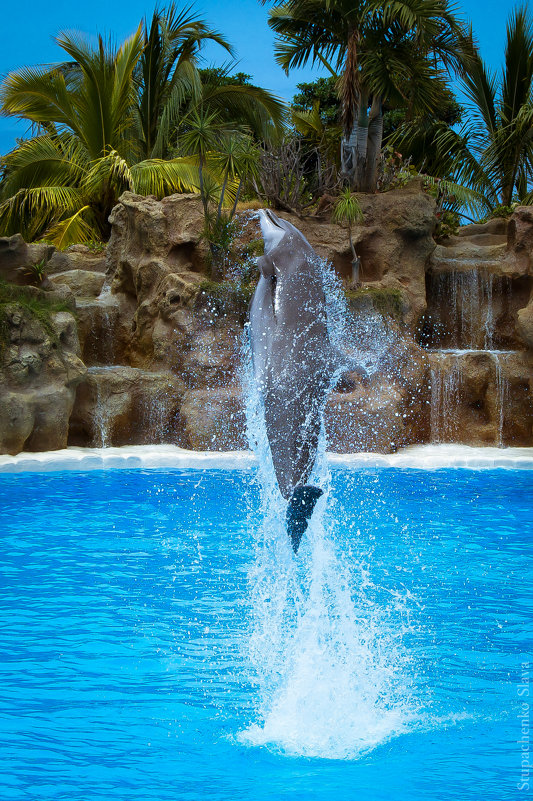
(202, 193)
(354, 149)
(348, 148)
(222, 193)
(234, 207)
(375, 139)
(361, 147)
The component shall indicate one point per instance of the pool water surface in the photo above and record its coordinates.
(127, 616)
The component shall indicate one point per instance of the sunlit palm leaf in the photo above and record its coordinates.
(73, 229)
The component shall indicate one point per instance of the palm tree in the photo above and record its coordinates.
(65, 181)
(347, 211)
(167, 74)
(492, 153)
(110, 120)
(392, 51)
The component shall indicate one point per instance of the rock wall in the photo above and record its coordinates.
(40, 369)
(163, 343)
(181, 322)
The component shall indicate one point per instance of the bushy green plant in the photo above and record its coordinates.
(96, 245)
(448, 223)
(502, 211)
(37, 272)
(394, 171)
(347, 211)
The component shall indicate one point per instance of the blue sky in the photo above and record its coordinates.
(28, 33)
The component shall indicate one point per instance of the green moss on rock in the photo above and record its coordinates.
(31, 302)
(224, 298)
(388, 302)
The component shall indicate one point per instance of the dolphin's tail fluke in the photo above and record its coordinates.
(299, 511)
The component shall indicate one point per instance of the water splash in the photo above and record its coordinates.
(328, 660)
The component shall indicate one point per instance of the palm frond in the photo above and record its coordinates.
(73, 229)
(160, 178)
(460, 197)
(109, 171)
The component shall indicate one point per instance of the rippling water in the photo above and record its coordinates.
(127, 611)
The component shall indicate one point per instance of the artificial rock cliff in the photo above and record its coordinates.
(40, 369)
(161, 346)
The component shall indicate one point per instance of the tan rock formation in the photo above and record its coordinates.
(482, 398)
(17, 258)
(155, 259)
(164, 344)
(394, 243)
(82, 283)
(76, 257)
(39, 371)
(213, 419)
(125, 405)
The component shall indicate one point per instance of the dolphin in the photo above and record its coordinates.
(293, 361)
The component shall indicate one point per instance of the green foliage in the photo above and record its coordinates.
(115, 119)
(448, 223)
(388, 302)
(347, 210)
(223, 298)
(492, 153)
(31, 301)
(394, 171)
(219, 76)
(502, 211)
(322, 91)
(37, 272)
(448, 110)
(394, 53)
(235, 156)
(451, 196)
(96, 245)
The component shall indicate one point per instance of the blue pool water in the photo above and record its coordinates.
(144, 656)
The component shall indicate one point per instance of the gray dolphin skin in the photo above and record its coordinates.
(293, 361)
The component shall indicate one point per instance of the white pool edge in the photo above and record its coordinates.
(153, 457)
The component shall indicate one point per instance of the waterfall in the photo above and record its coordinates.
(445, 398)
(328, 661)
(108, 319)
(101, 418)
(469, 315)
(502, 391)
(465, 300)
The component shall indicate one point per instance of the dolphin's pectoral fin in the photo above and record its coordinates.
(299, 511)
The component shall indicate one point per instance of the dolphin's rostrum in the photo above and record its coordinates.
(293, 361)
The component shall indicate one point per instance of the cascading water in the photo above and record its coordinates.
(447, 389)
(502, 392)
(465, 297)
(101, 415)
(445, 398)
(465, 328)
(329, 661)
